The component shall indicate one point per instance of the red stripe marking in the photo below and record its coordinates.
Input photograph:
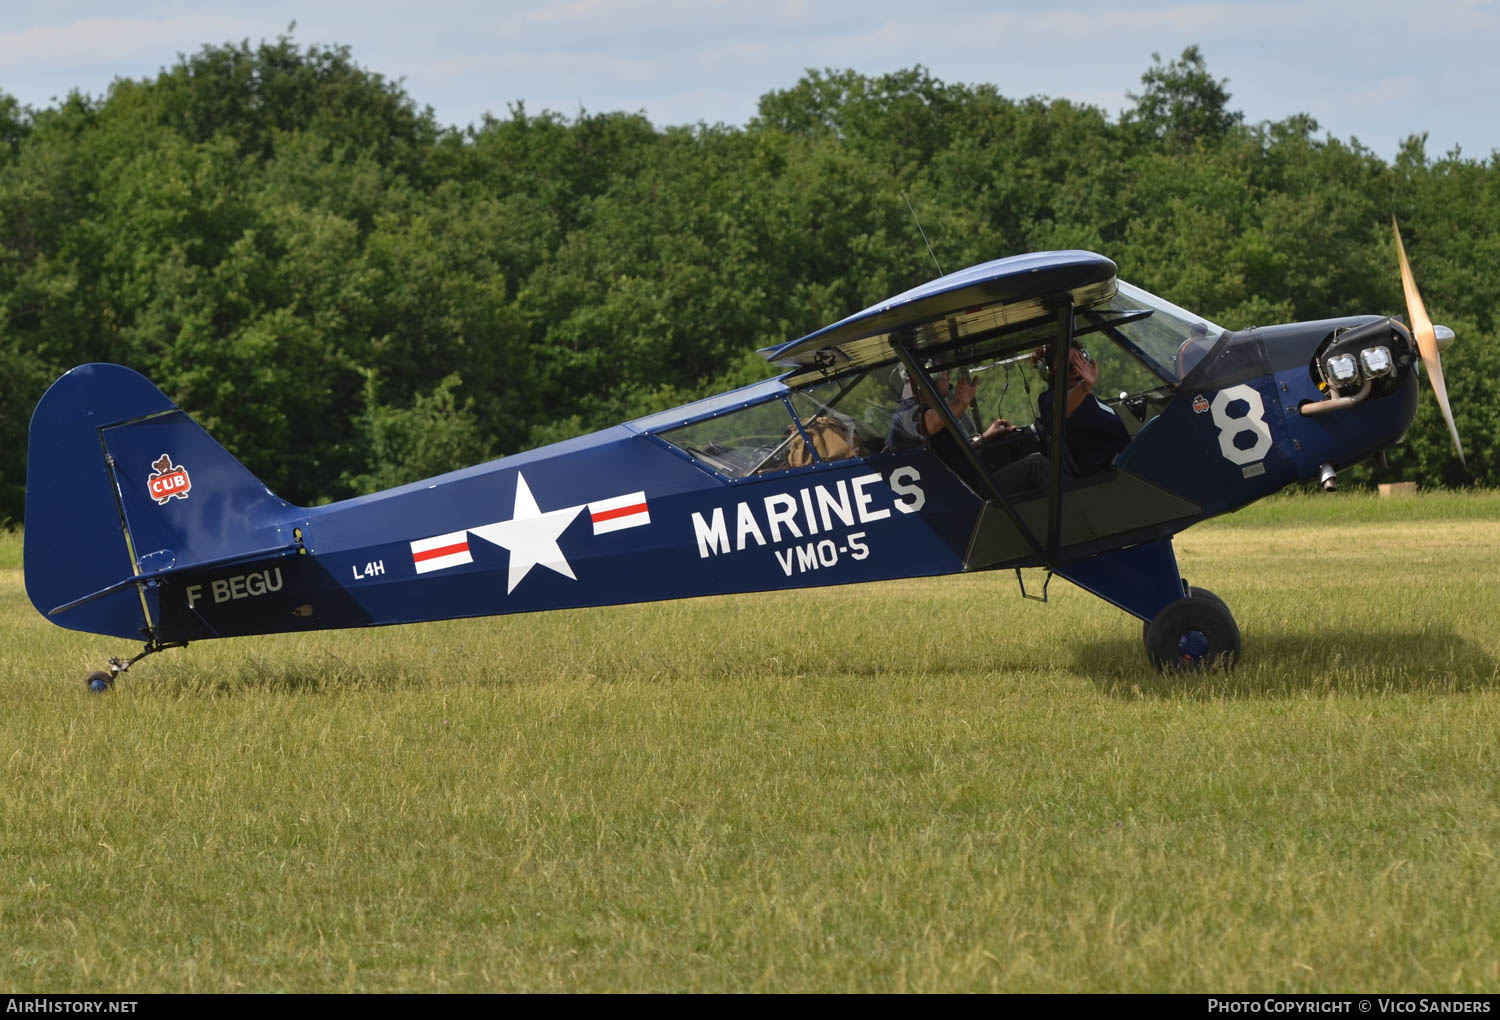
(624, 511)
(442, 550)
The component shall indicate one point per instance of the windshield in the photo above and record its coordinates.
(1171, 338)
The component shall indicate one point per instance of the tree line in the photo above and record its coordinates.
(349, 295)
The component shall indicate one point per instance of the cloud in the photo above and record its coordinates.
(1376, 68)
(91, 43)
(1072, 24)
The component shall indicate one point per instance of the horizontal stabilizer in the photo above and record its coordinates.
(148, 577)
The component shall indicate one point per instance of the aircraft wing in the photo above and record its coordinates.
(975, 300)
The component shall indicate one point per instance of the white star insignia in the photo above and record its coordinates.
(531, 536)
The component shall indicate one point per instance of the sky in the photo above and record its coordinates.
(1374, 70)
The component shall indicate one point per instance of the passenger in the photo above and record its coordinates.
(914, 424)
(1094, 432)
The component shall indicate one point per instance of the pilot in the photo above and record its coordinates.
(914, 424)
(1094, 432)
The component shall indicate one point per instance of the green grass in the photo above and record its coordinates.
(1364, 507)
(928, 785)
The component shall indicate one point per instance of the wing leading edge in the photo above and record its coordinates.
(1021, 288)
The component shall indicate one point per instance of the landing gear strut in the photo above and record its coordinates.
(1197, 633)
(99, 681)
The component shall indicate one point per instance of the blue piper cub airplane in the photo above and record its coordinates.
(139, 525)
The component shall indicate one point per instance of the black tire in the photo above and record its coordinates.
(99, 682)
(1193, 634)
(1193, 593)
(1204, 593)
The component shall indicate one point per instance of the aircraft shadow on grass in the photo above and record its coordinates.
(1344, 661)
(1428, 661)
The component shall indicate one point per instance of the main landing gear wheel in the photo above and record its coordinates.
(1197, 632)
(1193, 593)
(99, 681)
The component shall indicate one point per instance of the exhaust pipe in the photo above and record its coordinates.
(1328, 478)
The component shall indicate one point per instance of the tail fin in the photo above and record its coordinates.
(120, 483)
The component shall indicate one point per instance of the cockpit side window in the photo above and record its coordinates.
(857, 407)
(738, 443)
(825, 422)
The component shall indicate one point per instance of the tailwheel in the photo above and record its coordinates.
(1195, 633)
(100, 682)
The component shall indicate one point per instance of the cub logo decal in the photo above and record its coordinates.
(167, 481)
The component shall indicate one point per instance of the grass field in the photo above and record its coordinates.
(923, 786)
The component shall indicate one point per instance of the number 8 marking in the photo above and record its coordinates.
(1253, 420)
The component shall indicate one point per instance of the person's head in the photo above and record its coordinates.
(910, 390)
(1041, 358)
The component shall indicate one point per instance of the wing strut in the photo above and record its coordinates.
(923, 382)
(1062, 349)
